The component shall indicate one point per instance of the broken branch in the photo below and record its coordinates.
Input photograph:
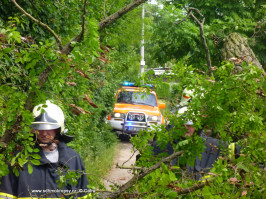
(129, 167)
(139, 176)
(79, 109)
(90, 101)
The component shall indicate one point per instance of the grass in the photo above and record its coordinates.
(98, 167)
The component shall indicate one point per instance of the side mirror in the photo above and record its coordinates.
(162, 106)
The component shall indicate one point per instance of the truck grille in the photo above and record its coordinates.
(137, 117)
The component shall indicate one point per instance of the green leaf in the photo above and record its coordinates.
(13, 161)
(172, 195)
(30, 169)
(36, 150)
(7, 50)
(182, 143)
(164, 180)
(242, 166)
(73, 44)
(172, 176)
(10, 118)
(16, 172)
(29, 149)
(35, 162)
(36, 156)
(21, 162)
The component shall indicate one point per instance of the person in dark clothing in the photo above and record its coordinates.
(213, 149)
(56, 160)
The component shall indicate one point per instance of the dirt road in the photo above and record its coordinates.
(121, 176)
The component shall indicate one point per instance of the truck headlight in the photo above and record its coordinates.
(154, 118)
(119, 115)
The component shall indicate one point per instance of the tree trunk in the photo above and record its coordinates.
(110, 19)
(236, 49)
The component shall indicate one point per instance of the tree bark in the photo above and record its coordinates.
(236, 49)
(110, 19)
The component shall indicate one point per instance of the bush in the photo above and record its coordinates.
(163, 90)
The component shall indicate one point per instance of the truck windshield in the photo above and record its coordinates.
(136, 98)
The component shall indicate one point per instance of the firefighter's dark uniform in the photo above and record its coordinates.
(213, 149)
(42, 182)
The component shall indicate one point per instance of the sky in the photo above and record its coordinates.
(153, 2)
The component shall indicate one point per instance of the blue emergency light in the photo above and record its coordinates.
(128, 84)
(129, 123)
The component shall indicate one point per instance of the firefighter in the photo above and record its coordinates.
(214, 148)
(186, 97)
(56, 161)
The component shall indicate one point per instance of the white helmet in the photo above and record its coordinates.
(189, 122)
(52, 118)
(186, 97)
(182, 111)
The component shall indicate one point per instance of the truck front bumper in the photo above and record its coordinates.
(131, 127)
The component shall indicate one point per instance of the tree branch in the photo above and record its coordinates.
(139, 176)
(190, 189)
(129, 167)
(200, 24)
(203, 38)
(130, 157)
(188, 15)
(39, 22)
(68, 48)
(110, 19)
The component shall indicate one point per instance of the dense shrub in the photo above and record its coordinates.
(163, 90)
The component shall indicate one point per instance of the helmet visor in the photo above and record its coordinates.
(44, 122)
(44, 126)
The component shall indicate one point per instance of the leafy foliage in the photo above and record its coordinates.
(83, 83)
(164, 90)
(233, 108)
(221, 19)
